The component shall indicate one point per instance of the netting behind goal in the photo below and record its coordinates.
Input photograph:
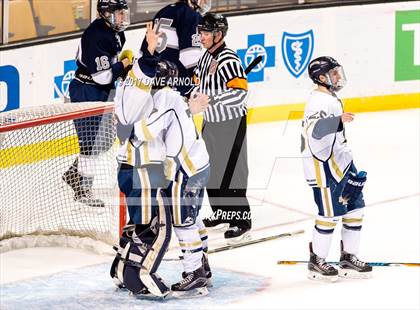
(37, 146)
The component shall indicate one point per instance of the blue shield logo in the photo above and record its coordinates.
(297, 51)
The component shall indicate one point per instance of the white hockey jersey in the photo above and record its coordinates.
(184, 146)
(133, 102)
(324, 147)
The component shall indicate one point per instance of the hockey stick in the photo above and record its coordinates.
(373, 264)
(241, 244)
(253, 64)
(250, 242)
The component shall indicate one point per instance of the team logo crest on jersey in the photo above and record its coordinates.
(297, 51)
(213, 66)
(343, 200)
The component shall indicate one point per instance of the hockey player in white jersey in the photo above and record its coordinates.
(141, 178)
(187, 166)
(329, 170)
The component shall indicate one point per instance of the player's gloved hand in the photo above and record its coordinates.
(353, 187)
(126, 57)
(126, 54)
(198, 102)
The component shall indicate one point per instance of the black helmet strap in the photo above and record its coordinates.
(214, 37)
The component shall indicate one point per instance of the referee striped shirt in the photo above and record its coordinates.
(220, 76)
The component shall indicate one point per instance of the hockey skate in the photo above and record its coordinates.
(81, 186)
(72, 179)
(215, 224)
(207, 270)
(86, 197)
(353, 268)
(237, 234)
(193, 285)
(319, 269)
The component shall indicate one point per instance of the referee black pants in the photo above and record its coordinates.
(226, 144)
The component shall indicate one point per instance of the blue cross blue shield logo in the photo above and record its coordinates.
(62, 82)
(256, 47)
(297, 51)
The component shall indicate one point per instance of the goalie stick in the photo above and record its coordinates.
(253, 64)
(373, 264)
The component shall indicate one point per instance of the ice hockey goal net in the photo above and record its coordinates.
(37, 146)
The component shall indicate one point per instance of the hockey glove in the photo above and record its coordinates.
(126, 54)
(353, 187)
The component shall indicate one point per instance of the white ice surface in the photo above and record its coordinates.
(385, 144)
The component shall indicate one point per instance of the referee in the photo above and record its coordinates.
(219, 74)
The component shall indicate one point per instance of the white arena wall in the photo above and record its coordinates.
(378, 45)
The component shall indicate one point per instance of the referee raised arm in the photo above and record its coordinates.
(219, 74)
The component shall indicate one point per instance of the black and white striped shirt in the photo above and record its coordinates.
(220, 76)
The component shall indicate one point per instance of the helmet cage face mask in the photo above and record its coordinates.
(336, 78)
(118, 19)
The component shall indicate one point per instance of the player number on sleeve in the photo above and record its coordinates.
(102, 63)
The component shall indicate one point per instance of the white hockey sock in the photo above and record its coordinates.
(350, 233)
(191, 245)
(202, 230)
(323, 234)
(321, 243)
(351, 240)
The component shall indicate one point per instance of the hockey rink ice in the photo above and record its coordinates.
(385, 144)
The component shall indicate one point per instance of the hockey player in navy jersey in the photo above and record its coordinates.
(180, 41)
(98, 67)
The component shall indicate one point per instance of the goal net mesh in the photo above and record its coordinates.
(37, 146)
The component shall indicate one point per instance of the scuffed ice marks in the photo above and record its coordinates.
(92, 288)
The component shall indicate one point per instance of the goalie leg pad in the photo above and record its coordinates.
(140, 253)
(153, 258)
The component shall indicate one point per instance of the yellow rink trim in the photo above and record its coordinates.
(31, 153)
(294, 111)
